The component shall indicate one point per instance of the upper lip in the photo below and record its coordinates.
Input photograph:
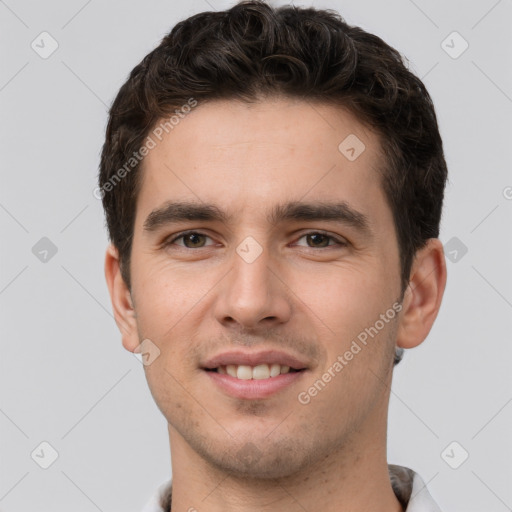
(254, 359)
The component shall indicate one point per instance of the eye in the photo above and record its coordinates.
(191, 240)
(197, 240)
(321, 240)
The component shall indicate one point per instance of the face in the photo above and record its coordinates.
(259, 243)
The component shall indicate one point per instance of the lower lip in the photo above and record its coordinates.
(253, 389)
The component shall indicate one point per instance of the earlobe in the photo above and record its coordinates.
(423, 295)
(122, 304)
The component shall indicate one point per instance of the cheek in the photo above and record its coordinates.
(164, 294)
(171, 303)
(345, 298)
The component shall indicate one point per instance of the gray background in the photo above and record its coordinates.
(64, 376)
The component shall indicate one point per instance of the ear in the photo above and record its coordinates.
(122, 304)
(422, 298)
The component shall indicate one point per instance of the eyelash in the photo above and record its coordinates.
(339, 242)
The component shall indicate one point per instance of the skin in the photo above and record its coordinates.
(308, 296)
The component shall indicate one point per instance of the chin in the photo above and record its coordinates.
(259, 460)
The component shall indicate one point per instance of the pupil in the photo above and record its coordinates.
(192, 237)
(318, 235)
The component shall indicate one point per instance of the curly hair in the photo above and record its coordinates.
(253, 51)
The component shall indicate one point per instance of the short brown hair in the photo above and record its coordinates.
(252, 51)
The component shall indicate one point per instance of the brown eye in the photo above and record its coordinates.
(194, 239)
(191, 240)
(318, 239)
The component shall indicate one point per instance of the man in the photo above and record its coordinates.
(273, 182)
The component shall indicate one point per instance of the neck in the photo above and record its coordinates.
(353, 478)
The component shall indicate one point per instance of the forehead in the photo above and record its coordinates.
(245, 156)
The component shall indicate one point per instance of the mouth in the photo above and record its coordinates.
(254, 376)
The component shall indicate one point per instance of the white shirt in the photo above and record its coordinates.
(408, 486)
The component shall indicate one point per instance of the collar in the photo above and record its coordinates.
(408, 487)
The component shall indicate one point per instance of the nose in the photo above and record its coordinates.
(253, 294)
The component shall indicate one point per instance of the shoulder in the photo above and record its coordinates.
(410, 490)
(156, 502)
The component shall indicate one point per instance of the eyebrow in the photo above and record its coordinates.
(342, 212)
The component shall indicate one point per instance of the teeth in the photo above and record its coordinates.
(244, 372)
(275, 370)
(261, 371)
(231, 370)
